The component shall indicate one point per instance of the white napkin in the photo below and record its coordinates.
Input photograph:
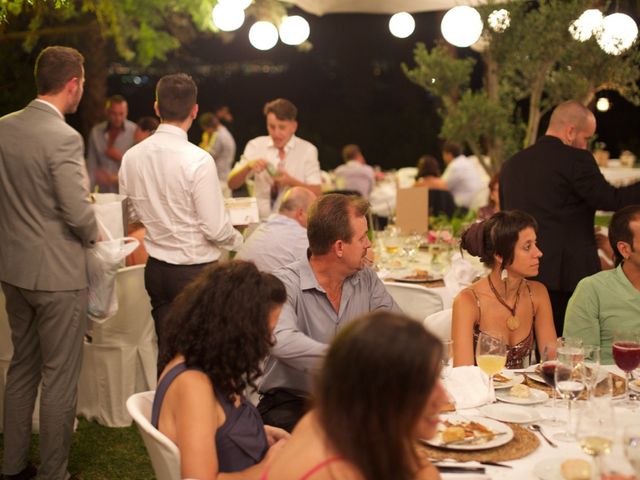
(460, 275)
(468, 387)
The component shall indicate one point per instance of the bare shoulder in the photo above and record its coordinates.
(538, 289)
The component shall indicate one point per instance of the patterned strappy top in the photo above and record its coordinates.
(517, 353)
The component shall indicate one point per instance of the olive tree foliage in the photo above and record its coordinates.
(528, 69)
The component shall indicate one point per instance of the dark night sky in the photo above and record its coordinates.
(349, 89)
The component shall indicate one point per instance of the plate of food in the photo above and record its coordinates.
(418, 276)
(522, 395)
(457, 432)
(510, 413)
(506, 379)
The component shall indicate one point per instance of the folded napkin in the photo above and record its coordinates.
(461, 274)
(468, 387)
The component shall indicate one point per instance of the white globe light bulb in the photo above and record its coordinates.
(619, 31)
(402, 25)
(603, 104)
(227, 16)
(263, 35)
(588, 24)
(294, 30)
(461, 26)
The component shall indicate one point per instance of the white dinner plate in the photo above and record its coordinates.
(536, 377)
(504, 431)
(535, 396)
(634, 385)
(509, 413)
(549, 469)
(515, 379)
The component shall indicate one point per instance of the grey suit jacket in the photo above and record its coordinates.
(46, 220)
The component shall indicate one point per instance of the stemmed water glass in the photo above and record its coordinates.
(626, 355)
(570, 382)
(447, 358)
(591, 367)
(491, 356)
(631, 441)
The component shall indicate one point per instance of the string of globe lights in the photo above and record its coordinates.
(462, 27)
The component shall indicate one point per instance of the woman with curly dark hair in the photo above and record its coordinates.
(378, 392)
(217, 334)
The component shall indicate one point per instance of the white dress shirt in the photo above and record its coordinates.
(357, 176)
(275, 243)
(464, 179)
(300, 161)
(173, 189)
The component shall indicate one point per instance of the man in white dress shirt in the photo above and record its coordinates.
(462, 175)
(277, 161)
(282, 239)
(173, 189)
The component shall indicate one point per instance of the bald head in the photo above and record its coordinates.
(295, 204)
(573, 123)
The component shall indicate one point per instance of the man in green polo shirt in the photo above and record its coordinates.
(610, 300)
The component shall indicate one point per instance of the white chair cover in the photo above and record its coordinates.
(414, 300)
(164, 454)
(122, 357)
(406, 177)
(439, 324)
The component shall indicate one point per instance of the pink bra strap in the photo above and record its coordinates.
(320, 466)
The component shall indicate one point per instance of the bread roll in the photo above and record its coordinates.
(575, 469)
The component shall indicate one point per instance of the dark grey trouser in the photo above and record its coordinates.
(47, 330)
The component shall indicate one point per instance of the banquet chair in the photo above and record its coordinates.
(439, 324)
(120, 358)
(414, 300)
(164, 454)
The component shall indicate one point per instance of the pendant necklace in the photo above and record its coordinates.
(513, 322)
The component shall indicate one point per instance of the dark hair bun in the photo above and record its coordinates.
(473, 239)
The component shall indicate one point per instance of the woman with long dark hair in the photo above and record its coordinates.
(217, 334)
(378, 392)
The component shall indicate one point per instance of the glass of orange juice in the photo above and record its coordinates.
(491, 355)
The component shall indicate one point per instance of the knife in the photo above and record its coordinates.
(464, 441)
(460, 469)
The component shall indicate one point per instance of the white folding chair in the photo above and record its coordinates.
(415, 301)
(164, 454)
(121, 359)
(439, 324)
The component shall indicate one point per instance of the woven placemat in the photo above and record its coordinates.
(618, 386)
(523, 443)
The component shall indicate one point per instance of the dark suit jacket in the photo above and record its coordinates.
(46, 220)
(562, 187)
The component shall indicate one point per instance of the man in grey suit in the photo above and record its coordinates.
(46, 223)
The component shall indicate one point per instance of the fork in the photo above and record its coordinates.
(534, 427)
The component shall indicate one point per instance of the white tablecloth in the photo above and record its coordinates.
(620, 176)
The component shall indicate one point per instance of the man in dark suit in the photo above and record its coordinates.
(558, 181)
(46, 223)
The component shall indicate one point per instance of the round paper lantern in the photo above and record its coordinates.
(294, 30)
(499, 20)
(619, 31)
(227, 16)
(263, 35)
(461, 26)
(402, 25)
(587, 24)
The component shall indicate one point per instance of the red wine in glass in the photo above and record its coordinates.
(626, 355)
(548, 371)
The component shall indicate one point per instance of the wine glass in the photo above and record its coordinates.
(547, 369)
(491, 355)
(631, 442)
(591, 367)
(570, 382)
(596, 431)
(626, 355)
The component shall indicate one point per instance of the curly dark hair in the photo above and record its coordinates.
(219, 323)
(373, 387)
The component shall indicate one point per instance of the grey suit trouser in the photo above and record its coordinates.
(47, 330)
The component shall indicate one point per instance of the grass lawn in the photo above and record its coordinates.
(101, 453)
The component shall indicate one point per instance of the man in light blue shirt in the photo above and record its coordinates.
(609, 301)
(282, 239)
(325, 292)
